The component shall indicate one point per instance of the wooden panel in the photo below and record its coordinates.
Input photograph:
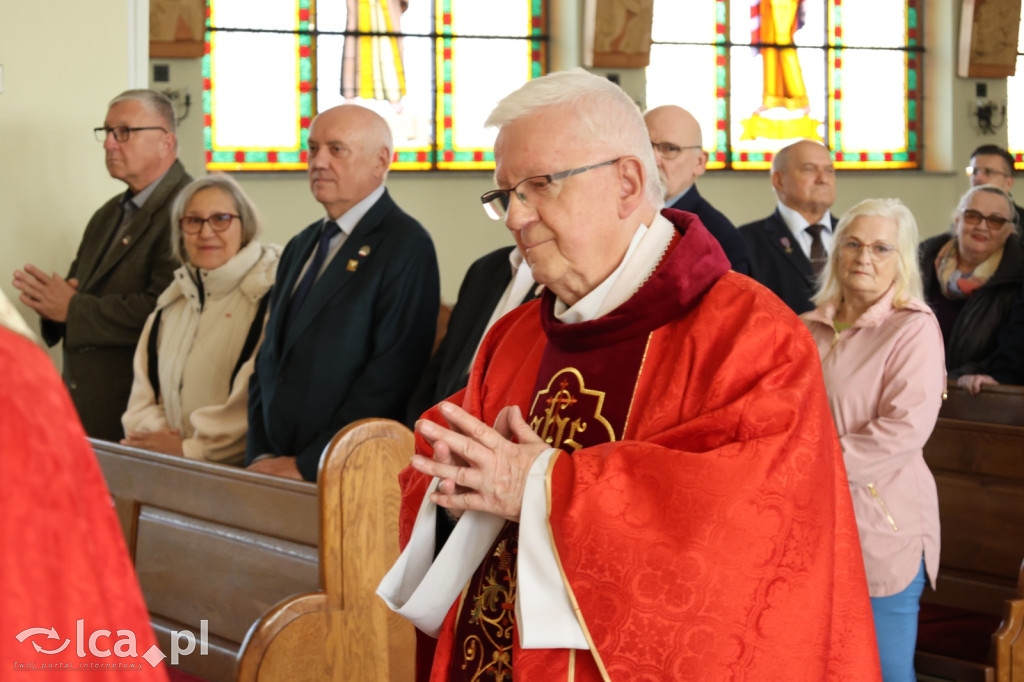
(211, 542)
(190, 571)
(994, 405)
(343, 631)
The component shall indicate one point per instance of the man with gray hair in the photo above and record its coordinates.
(642, 476)
(123, 263)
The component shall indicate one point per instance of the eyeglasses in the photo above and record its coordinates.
(532, 191)
(876, 250)
(975, 171)
(193, 224)
(670, 151)
(972, 218)
(121, 133)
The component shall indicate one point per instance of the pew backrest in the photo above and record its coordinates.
(210, 543)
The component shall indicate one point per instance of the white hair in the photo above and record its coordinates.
(603, 113)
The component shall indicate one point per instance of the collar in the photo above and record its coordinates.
(139, 200)
(797, 223)
(874, 316)
(643, 255)
(217, 282)
(348, 220)
(671, 201)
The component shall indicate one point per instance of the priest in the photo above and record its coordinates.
(642, 479)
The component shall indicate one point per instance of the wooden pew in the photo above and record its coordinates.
(343, 631)
(211, 543)
(972, 627)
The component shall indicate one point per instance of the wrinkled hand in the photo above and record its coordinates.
(167, 441)
(48, 295)
(974, 382)
(480, 467)
(285, 467)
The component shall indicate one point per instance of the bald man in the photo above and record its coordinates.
(354, 307)
(675, 136)
(788, 248)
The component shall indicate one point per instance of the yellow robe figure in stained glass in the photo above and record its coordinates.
(783, 79)
(372, 65)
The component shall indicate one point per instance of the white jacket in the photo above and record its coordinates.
(200, 339)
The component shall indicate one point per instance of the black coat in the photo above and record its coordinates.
(975, 334)
(778, 262)
(720, 227)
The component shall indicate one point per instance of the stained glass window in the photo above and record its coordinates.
(432, 68)
(759, 74)
(1015, 106)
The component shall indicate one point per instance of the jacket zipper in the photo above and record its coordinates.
(885, 510)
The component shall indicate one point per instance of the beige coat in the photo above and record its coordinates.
(199, 342)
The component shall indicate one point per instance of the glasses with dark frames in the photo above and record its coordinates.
(531, 191)
(193, 224)
(121, 133)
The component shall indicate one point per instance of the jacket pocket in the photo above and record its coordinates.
(881, 504)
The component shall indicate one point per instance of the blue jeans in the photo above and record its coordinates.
(896, 629)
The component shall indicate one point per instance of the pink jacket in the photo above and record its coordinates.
(885, 378)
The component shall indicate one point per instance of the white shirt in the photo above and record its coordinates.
(798, 225)
(346, 222)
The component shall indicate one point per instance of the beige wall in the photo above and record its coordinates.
(52, 177)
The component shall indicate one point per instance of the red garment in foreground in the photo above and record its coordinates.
(62, 555)
(716, 539)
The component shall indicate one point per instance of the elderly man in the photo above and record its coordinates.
(675, 136)
(642, 473)
(123, 263)
(354, 307)
(993, 165)
(789, 248)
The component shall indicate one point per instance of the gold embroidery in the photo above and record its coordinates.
(568, 410)
(493, 614)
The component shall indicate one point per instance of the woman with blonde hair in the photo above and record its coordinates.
(883, 364)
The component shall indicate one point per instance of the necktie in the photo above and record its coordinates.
(818, 255)
(330, 229)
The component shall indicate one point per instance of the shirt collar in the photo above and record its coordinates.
(671, 201)
(797, 223)
(139, 199)
(348, 220)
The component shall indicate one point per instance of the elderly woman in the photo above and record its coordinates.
(195, 355)
(972, 276)
(882, 359)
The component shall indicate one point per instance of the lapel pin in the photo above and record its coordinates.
(785, 244)
(352, 265)
(126, 239)
(364, 251)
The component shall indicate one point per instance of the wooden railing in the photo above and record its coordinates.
(972, 627)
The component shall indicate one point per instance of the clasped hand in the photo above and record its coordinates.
(48, 295)
(480, 467)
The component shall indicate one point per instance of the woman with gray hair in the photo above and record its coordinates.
(196, 352)
(972, 275)
(882, 360)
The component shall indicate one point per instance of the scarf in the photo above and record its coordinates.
(955, 284)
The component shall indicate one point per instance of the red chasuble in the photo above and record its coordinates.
(70, 606)
(708, 533)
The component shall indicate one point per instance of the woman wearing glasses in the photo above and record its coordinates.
(972, 276)
(882, 361)
(195, 355)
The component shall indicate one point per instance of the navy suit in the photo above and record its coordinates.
(778, 262)
(720, 227)
(357, 345)
(481, 291)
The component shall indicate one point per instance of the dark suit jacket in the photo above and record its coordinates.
(357, 345)
(448, 369)
(117, 290)
(720, 227)
(783, 269)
